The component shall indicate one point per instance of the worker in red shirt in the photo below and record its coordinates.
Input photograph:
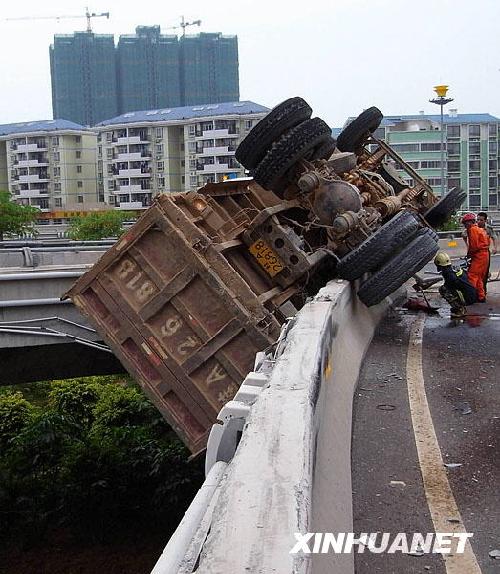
(478, 246)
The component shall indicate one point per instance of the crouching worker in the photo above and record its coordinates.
(457, 289)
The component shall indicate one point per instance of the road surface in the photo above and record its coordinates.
(431, 383)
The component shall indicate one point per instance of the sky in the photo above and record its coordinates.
(342, 56)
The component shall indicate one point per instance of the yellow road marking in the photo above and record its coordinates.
(440, 499)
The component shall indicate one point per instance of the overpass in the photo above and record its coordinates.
(42, 337)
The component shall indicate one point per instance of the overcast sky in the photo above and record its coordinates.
(342, 56)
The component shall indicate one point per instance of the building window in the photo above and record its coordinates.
(492, 182)
(111, 185)
(57, 202)
(55, 141)
(453, 131)
(493, 148)
(453, 148)
(474, 165)
(192, 147)
(493, 165)
(248, 124)
(192, 130)
(78, 169)
(109, 153)
(434, 181)
(57, 187)
(80, 199)
(474, 201)
(183, 163)
(78, 154)
(430, 164)
(430, 146)
(57, 171)
(492, 131)
(474, 182)
(109, 137)
(159, 165)
(159, 148)
(159, 132)
(183, 179)
(78, 139)
(55, 156)
(474, 131)
(79, 184)
(401, 148)
(453, 166)
(493, 199)
(474, 148)
(453, 182)
(161, 182)
(193, 180)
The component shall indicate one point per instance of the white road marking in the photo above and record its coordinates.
(440, 499)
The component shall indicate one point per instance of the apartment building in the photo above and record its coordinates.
(147, 70)
(49, 164)
(93, 80)
(141, 154)
(471, 157)
(83, 75)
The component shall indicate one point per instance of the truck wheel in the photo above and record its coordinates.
(257, 143)
(354, 135)
(440, 212)
(400, 268)
(324, 150)
(290, 148)
(378, 247)
(392, 177)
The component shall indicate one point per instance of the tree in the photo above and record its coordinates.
(15, 218)
(98, 224)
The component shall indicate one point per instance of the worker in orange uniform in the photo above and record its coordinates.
(478, 246)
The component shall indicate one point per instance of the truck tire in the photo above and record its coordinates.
(290, 148)
(378, 247)
(445, 207)
(324, 150)
(259, 140)
(392, 177)
(353, 136)
(400, 268)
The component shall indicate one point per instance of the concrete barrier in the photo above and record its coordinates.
(291, 472)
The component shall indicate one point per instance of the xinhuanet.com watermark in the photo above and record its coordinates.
(379, 542)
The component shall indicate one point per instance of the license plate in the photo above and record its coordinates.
(266, 257)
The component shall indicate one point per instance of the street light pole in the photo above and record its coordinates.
(441, 101)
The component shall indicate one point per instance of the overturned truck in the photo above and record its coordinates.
(205, 279)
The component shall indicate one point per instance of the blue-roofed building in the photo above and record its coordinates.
(471, 157)
(144, 153)
(49, 164)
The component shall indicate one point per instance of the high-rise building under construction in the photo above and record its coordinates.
(83, 72)
(93, 81)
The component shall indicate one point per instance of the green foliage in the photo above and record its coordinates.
(98, 225)
(96, 458)
(15, 414)
(15, 218)
(453, 224)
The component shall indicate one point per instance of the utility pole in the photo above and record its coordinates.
(441, 101)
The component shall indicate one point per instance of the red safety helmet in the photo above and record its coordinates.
(468, 217)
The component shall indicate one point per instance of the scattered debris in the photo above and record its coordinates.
(452, 464)
(464, 408)
(454, 520)
(495, 554)
(417, 552)
(386, 407)
(397, 483)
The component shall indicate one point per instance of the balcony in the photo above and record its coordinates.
(134, 188)
(135, 156)
(130, 140)
(214, 167)
(33, 192)
(33, 178)
(137, 172)
(131, 205)
(26, 148)
(220, 150)
(31, 163)
(207, 134)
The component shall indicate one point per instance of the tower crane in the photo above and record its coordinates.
(88, 15)
(183, 24)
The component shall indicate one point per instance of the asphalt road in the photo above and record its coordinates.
(460, 370)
